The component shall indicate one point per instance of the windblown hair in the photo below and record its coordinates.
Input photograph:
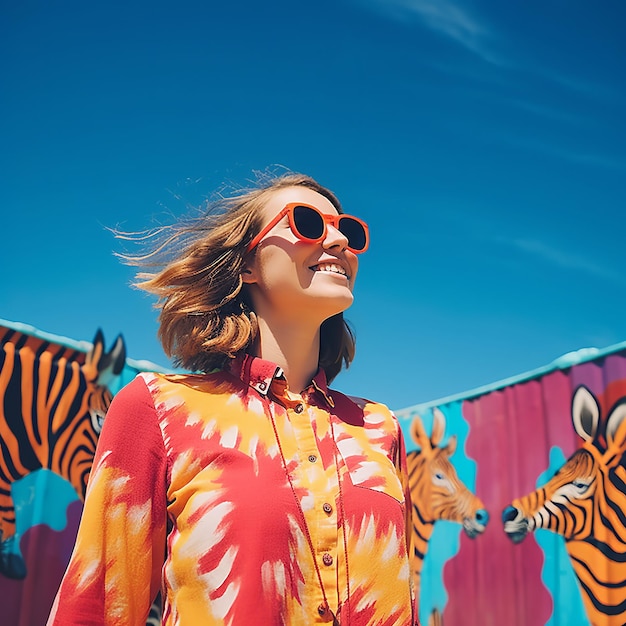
(194, 268)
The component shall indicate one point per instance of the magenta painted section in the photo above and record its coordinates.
(46, 552)
(557, 419)
(503, 441)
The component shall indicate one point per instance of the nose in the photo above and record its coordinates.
(509, 514)
(482, 517)
(334, 237)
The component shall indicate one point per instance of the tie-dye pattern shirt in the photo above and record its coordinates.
(189, 495)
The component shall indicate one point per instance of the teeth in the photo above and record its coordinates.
(330, 267)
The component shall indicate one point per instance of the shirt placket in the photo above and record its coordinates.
(318, 476)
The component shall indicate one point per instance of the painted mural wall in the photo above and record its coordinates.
(519, 487)
(520, 514)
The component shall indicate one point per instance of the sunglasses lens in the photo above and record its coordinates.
(354, 232)
(309, 222)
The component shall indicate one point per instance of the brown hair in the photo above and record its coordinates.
(196, 267)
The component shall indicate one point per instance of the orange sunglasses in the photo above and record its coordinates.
(309, 224)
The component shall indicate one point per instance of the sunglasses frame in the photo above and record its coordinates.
(327, 219)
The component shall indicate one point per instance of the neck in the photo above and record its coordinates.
(292, 346)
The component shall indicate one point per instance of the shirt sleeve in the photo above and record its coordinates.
(114, 572)
(403, 475)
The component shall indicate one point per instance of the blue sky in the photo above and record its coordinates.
(484, 142)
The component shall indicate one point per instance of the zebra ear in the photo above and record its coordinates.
(94, 356)
(439, 426)
(451, 445)
(418, 434)
(616, 426)
(97, 349)
(585, 413)
(112, 363)
(117, 356)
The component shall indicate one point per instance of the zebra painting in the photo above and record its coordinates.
(436, 490)
(52, 403)
(585, 502)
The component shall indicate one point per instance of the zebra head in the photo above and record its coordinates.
(567, 504)
(100, 369)
(438, 493)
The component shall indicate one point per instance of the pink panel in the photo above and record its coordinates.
(503, 441)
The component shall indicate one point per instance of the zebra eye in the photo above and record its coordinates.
(580, 485)
(97, 419)
(442, 481)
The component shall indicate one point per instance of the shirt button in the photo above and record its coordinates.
(327, 559)
(327, 508)
(312, 458)
(321, 609)
(299, 408)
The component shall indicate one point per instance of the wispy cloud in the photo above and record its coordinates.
(565, 260)
(559, 151)
(583, 87)
(588, 158)
(449, 19)
(456, 21)
(544, 111)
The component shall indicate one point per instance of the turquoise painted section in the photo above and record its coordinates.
(445, 541)
(41, 497)
(557, 573)
(444, 544)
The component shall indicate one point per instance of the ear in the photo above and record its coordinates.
(616, 426)
(248, 274)
(439, 426)
(585, 413)
(117, 356)
(97, 350)
(93, 358)
(451, 445)
(419, 436)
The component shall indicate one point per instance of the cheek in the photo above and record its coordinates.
(279, 269)
(354, 268)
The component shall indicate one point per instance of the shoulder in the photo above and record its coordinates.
(132, 395)
(215, 382)
(150, 390)
(177, 395)
(131, 417)
(364, 404)
(369, 412)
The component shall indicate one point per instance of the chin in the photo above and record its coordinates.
(342, 304)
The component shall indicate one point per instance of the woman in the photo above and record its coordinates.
(249, 493)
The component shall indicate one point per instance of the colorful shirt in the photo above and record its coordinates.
(220, 490)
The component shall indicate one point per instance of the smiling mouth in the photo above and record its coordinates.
(330, 268)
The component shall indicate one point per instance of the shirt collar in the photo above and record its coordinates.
(255, 372)
(320, 384)
(259, 374)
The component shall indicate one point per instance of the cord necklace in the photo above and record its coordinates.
(326, 606)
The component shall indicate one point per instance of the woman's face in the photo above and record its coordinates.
(291, 278)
